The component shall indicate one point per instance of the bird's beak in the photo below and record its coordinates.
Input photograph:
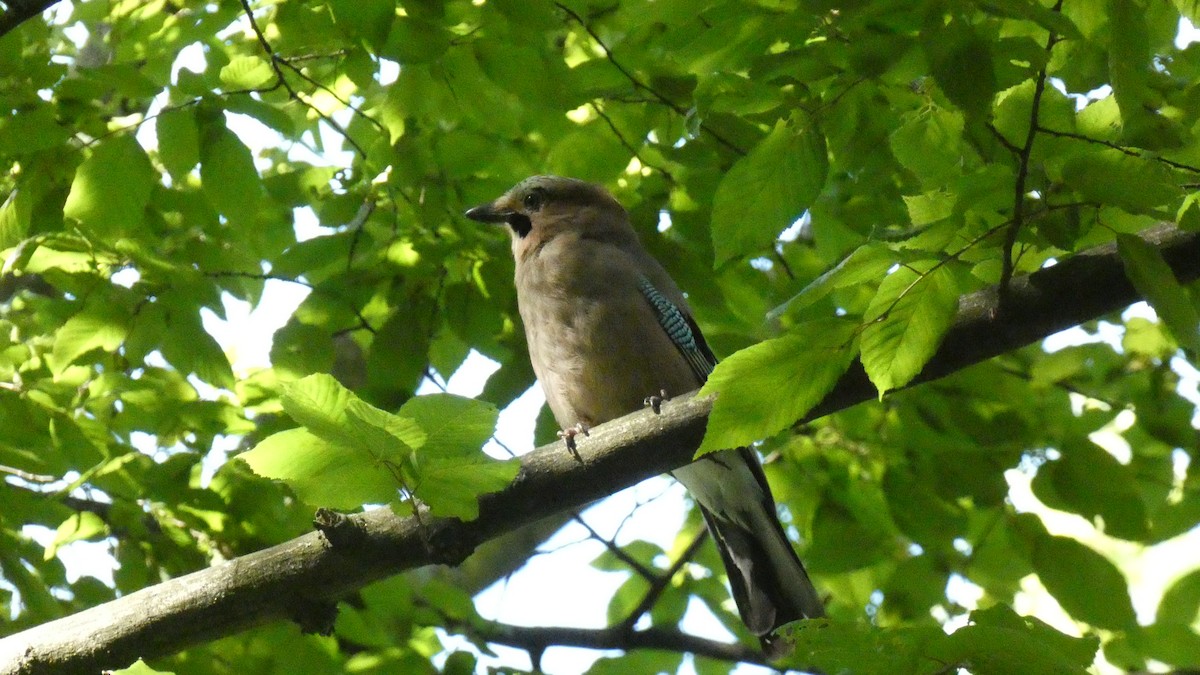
(489, 213)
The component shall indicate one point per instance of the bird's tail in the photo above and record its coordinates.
(769, 583)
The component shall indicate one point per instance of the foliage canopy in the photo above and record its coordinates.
(825, 180)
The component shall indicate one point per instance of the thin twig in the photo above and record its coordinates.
(277, 61)
(612, 547)
(27, 476)
(1018, 212)
(662, 581)
(629, 146)
(1116, 146)
(638, 84)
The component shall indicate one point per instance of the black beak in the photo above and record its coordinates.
(488, 213)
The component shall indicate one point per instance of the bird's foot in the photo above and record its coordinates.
(655, 401)
(568, 435)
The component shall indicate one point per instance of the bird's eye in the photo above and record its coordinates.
(534, 199)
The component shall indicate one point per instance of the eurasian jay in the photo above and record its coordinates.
(607, 326)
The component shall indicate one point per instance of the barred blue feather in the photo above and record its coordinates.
(680, 329)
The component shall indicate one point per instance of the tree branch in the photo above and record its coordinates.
(294, 578)
(20, 11)
(537, 639)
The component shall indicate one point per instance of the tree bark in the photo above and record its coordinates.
(301, 579)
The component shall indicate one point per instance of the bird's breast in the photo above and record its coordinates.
(596, 344)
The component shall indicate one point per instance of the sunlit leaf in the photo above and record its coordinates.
(319, 403)
(869, 262)
(15, 216)
(97, 327)
(79, 527)
(910, 313)
(247, 72)
(763, 388)
(322, 472)
(1153, 278)
(178, 141)
(1112, 177)
(111, 188)
(139, 667)
(450, 469)
(768, 189)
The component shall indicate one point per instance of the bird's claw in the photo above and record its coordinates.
(568, 435)
(655, 401)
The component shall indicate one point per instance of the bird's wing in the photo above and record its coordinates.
(682, 330)
(768, 580)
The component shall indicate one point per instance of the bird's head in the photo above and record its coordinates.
(541, 208)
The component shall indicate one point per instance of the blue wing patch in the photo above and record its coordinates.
(680, 329)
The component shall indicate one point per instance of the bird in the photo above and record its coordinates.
(606, 326)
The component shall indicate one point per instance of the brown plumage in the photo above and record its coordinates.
(606, 327)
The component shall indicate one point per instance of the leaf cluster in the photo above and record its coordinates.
(824, 181)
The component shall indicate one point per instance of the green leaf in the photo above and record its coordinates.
(111, 188)
(229, 177)
(192, 349)
(451, 424)
(865, 263)
(15, 217)
(921, 513)
(831, 646)
(1078, 651)
(1153, 278)
(1181, 601)
(1129, 56)
(1072, 572)
(1187, 217)
(389, 438)
(961, 61)
(319, 402)
(450, 470)
(1046, 18)
(322, 472)
(929, 144)
(100, 326)
(765, 387)
(1112, 177)
(452, 487)
(139, 667)
(1175, 644)
(435, 440)
(1011, 117)
(299, 349)
(627, 597)
(78, 527)
(1089, 481)
(644, 661)
(413, 40)
(987, 650)
(930, 207)
(767, 190)
(1148, 338)
(178, 141)
(850, 536)
(31, 130)
(908, 317)
(392, 371)
(368, 21)
(248, 71)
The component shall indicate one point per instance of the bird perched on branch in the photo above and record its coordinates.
(606, 327)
